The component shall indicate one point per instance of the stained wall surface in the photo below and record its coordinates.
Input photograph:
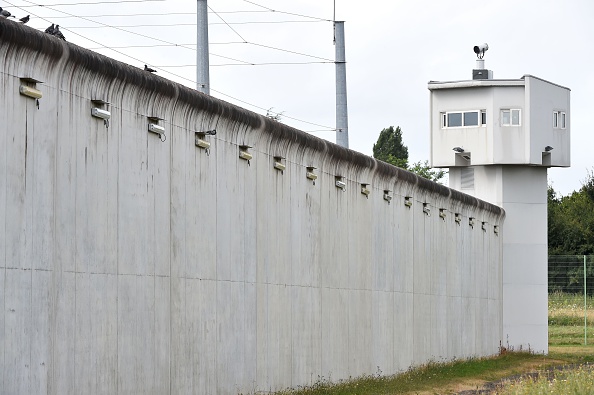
(130, 264)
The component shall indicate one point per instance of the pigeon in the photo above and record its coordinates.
(50, 30)
(58, 33)
(25, 19)
(5, 14)
(146, 68)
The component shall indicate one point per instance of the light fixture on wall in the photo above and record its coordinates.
(310, 175)
(365, 190)
(442, 213)
(278, 163)
(340, 183)
(484, 226)
(200, 140)
(458, 218)
(461, 152)
(426, 209)
(30, 92)
(154, 127)
(28, 87)
(548, 148)
(496, 229)
(244, 154)
(387, 196)
(408, 201)
(99, 110)
(100, 113)
(471, 222)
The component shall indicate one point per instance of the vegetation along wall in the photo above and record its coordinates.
(134, 261)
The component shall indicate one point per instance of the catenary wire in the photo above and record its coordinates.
(287, 13)
(181, 45)
(327, 128)
(186, 46)
(230, 27)
(249, 64)
(86, 3)
(151, 14)
(192, 24)
(89, 20)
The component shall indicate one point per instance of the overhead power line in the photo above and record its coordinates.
(244, 64)
(86, 3)
(114, 49)
(159, 14)
(117, 28)
(221, 18)
(287, 13)
(188, 24)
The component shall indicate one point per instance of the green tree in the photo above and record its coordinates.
(571, 220)
(426, 171)
(390, 149)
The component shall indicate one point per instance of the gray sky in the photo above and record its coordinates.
(393, 48)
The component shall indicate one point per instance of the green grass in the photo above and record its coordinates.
(445, 376)
(566, 319)
(574, 382)
(566, 341)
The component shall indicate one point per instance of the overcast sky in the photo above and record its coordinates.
(393, 48)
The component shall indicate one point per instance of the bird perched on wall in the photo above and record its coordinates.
(58, 33)
(146, 68)
(5, 14)
(24, 19)
(50, 30)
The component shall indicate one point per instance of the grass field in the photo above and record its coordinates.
(566, 346)
(578, 381)
(434, 378)
(566, 319)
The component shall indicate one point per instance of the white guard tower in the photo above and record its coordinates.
(498, 137)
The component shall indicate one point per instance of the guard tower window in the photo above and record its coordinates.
(510, 117)
(459, 119)
(559, 120)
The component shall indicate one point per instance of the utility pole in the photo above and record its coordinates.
(342, 118)
(202, 61)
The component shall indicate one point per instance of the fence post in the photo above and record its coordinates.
(585, 306)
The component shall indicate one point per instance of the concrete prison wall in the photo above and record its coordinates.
(130, 264)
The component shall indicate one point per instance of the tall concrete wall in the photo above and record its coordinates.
(133, 265)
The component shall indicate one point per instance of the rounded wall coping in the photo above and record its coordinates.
(83, 63)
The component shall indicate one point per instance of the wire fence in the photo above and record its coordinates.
(571, 299)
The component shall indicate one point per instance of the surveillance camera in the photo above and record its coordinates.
(480, 50)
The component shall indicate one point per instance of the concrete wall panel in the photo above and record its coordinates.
(136, 265)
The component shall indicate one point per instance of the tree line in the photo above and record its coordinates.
(571, 237)
(571, 220)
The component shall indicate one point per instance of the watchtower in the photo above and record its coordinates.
(498, 137)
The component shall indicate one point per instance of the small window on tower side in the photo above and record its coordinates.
(505, 118)
(511, 117)
(483, 117)
(515, 121)
(471, 118)
(454, 119)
